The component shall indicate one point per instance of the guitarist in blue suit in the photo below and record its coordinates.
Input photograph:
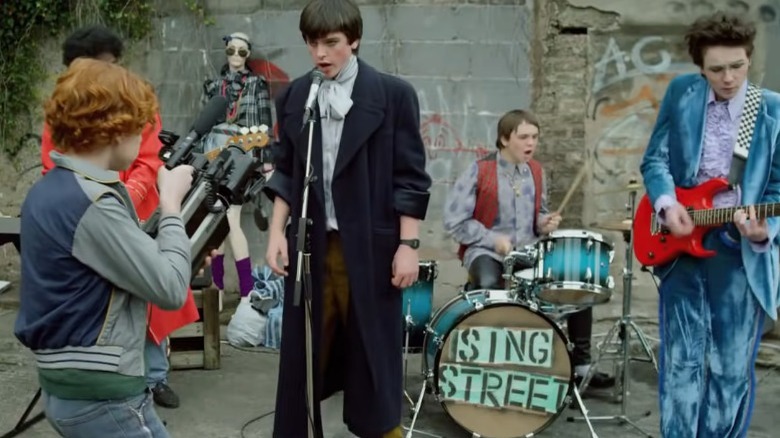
(715, 125)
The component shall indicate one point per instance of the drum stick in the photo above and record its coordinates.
(574, 185)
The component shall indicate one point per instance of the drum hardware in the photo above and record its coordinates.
(632, 186)
(622, 226)
(418, 406)
(623, 328)
(418, 301)
(408, 324)
(573, 268)
(497, 313)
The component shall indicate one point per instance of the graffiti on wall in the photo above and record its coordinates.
(630, 77)
(454, 136)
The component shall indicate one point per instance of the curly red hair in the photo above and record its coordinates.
(96, 103)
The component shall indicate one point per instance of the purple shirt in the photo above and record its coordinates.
(720, 134)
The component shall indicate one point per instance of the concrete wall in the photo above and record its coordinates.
(630, 62)
(593, 70)
(469, 63)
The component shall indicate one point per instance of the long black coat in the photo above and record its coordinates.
(379, 176)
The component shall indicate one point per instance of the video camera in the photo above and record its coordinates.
(231, 175)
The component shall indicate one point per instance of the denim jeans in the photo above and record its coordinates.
(132, 417)
(157, 362)
(710, 325)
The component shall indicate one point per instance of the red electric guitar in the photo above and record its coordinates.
(655, 245)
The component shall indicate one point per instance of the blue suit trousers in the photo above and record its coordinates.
(710, 326)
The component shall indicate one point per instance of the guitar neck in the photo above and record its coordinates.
(718, 216)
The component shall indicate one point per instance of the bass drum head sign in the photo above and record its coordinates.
(504, 371)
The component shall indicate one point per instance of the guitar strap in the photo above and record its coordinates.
(747, 124)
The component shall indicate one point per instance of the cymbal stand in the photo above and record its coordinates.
(584, 411)
(408, 324)
(623, 328)
(23, 423)
(416, 409)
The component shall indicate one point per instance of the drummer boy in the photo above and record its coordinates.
(499, 203)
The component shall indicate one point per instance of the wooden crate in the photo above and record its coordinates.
(197, 345)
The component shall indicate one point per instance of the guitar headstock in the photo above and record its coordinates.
(248, 139)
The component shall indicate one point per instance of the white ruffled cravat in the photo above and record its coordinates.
(334, 99)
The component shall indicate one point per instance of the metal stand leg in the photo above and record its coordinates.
(408, 324)
(416, 409)
(23, 423)
(584, 411)
(621, 328)
(309, 359)
(303, 283)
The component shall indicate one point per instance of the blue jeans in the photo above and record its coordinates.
(157, 362)
(132, 417)
(710, 324)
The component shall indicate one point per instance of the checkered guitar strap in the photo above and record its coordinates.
(747, 122)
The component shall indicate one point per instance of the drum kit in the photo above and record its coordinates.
(498, 361)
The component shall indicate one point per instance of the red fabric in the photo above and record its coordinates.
(486, 206)
(164, 322)
(140, 178)
(141, 182)
(536, 174)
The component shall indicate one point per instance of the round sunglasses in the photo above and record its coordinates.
(230, 51)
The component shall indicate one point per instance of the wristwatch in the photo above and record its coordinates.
(413, 243)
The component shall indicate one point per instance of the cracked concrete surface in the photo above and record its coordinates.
(217, 403)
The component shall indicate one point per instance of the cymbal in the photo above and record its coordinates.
(624, 225)
(623, 189)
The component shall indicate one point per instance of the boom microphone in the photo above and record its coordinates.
(213, 113)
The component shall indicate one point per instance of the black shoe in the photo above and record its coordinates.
(164, 396)
(598, 380)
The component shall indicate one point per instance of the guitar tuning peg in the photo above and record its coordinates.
(244, 130)
(264, 128)
(254, 129)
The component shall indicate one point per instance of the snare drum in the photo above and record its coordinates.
(558, 312)
(418, 303)
(498, 368)
(573, 268)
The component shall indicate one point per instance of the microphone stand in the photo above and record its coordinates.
(303, 271)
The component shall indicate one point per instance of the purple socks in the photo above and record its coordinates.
(244, 269)
(218, 271)
(245, 280)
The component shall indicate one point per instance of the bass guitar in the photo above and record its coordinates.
(247, 140)
(655, 245)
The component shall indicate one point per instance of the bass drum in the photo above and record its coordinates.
(498, 368)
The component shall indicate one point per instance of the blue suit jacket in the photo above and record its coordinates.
(672, 160)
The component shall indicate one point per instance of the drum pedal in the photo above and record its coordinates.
(622, 330)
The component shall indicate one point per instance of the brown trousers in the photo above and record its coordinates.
(335, 305)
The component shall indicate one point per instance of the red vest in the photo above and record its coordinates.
(486, 206)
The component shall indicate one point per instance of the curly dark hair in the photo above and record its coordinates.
(91, 42)
(719, 29)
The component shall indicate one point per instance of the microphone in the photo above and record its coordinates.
(213, 113)
(316, 81)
